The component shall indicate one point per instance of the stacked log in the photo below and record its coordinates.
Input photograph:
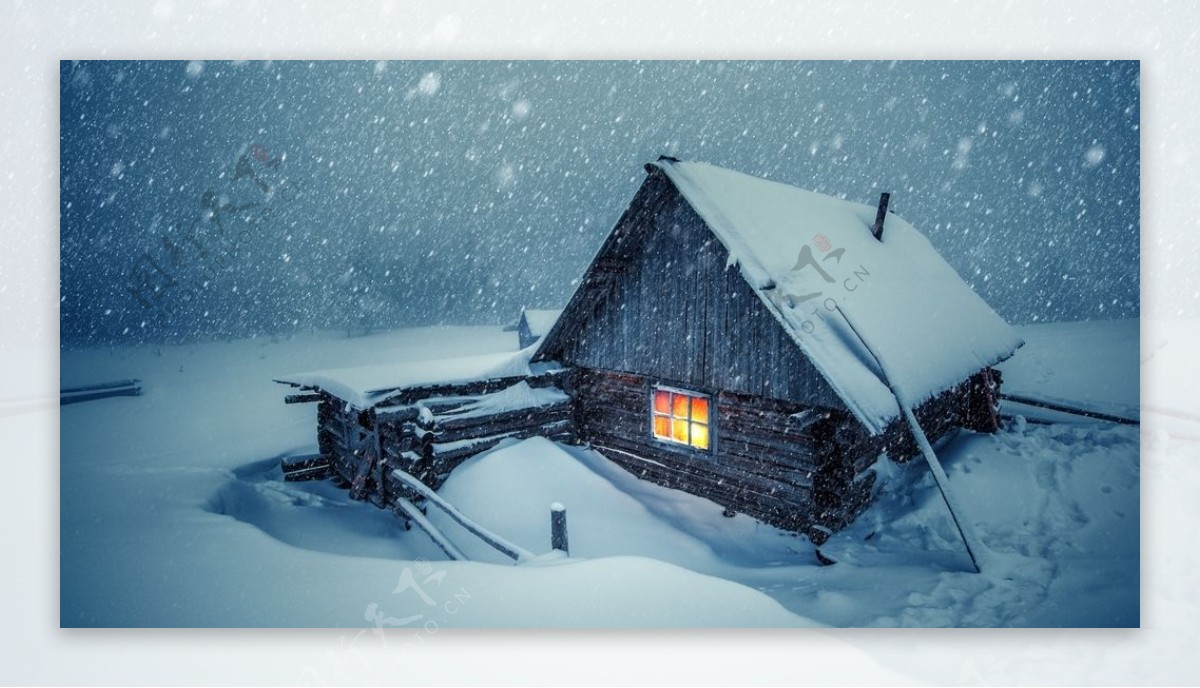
(434, 431)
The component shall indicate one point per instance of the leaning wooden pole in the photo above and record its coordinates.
(408, 510)
(975, 548)
(504, 546)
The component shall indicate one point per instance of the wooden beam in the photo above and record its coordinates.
(507, 548)
(101, 386)
(880, 216)
(302, 398)
(975, 547)
(1028, 401)
(409, 511)
(120, 388)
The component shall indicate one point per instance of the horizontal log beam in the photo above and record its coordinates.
(306, 398)
(76, 397)
(456, 422)
(409, 395)
(101, 386)
(507, 548)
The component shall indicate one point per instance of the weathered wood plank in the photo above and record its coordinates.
(447, 423)
(705, 469)
(783, 511)
(410, 395)
(304, 398)
(103, 386)
(508, 426)
(675, 266)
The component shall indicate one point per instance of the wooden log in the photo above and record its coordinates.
(451, 422)
(440, 405)
(1029, 401)
(509, 549)
(710, 472)
(409, 395)
(305, 398)
(101, 386)
(770, 509)
(396, 414)
(974, 546)
(492, 427)
(409, 511)
(118, 388)
(880, 216)
(799, 450)
(319, 472)
(452, 456)
(296, 463)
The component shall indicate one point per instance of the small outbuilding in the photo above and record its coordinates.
(535, 324)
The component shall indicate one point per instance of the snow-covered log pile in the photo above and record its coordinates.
(427, 432)
(425, 417)
(451, 428)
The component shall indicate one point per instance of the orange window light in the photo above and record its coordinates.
(662, 401)
(699, 438)
(662, 427)
(679, 430)
(681, 418)
(679, 405)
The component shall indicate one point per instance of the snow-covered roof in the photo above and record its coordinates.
(808, 255)
(366, 385)
(540, 321)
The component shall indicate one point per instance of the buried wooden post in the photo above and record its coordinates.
(880, 216)
(558, 528)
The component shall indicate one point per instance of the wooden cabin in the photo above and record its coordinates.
(726, 340)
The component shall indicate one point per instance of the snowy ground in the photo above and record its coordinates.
(173, 511)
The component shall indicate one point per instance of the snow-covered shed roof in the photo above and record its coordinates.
(812, 258)
(365, 386)
(540, 321)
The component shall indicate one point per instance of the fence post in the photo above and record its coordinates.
(558, 528)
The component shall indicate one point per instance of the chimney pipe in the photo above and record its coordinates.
(877, 228)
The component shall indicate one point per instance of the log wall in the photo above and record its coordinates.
(427, 438)
(798, 467)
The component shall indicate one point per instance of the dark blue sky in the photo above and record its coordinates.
(262, 197)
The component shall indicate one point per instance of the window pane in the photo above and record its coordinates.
(662, 427)
(662, 402)
(700, 409)
(679, 430)
(679, 406)
(699, 436)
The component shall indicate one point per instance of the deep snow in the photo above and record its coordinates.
(174, 513)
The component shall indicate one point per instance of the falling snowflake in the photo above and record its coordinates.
(430, 84)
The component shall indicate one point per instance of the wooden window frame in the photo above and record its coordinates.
(669, 442)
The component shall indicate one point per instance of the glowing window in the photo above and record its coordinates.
(680, 418)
